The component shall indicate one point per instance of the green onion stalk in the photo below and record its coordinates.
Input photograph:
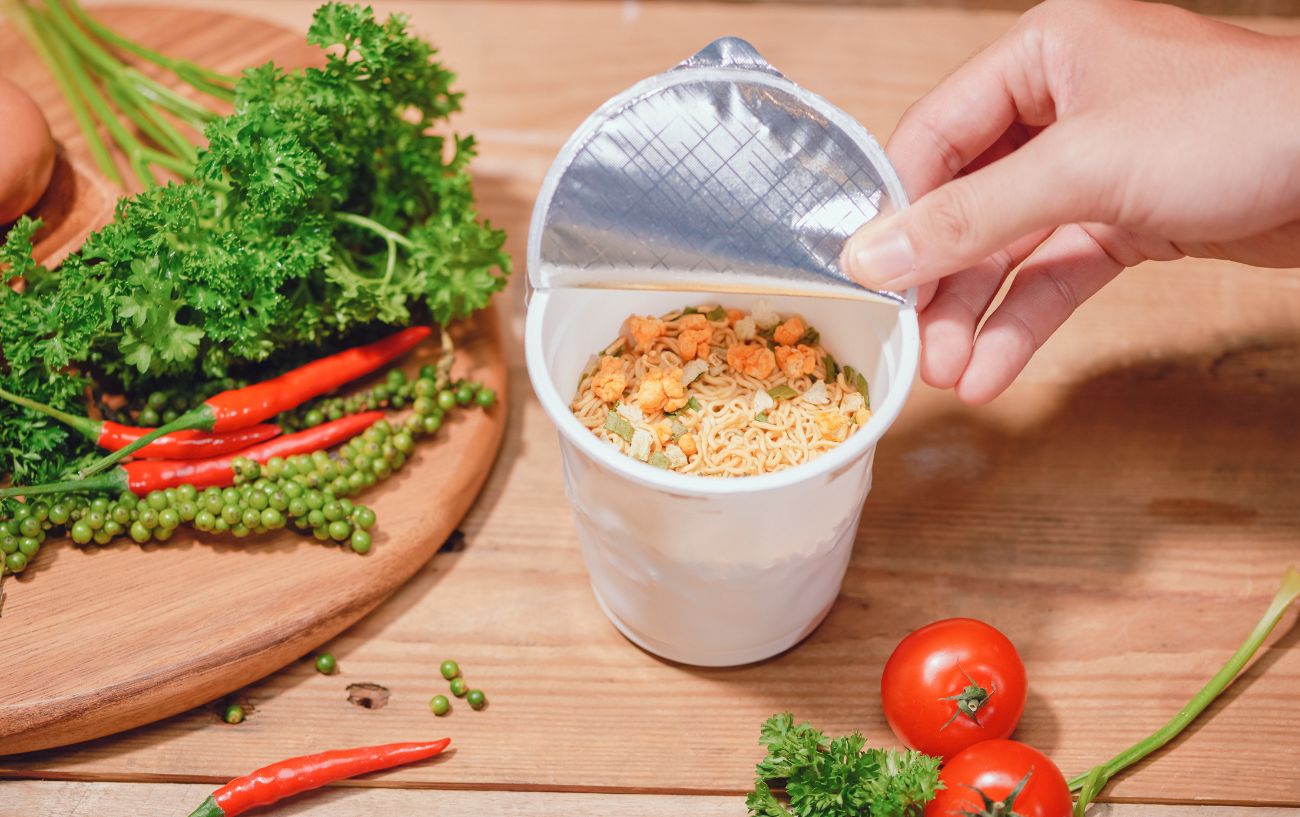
(102, 89)
(1090, 783)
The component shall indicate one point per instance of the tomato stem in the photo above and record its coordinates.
(969, 701)
(1090, 784)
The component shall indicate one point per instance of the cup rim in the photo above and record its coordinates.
(834, 460)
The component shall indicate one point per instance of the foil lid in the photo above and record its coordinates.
(718, 175)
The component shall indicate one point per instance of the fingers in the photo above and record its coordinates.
(1043, 184)
(949, 318)
(967, 112)
(1064, 272)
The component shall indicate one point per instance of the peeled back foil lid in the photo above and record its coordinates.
(718, 175)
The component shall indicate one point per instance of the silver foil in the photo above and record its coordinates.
(719, 175)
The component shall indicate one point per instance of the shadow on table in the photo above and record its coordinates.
(1045, 529)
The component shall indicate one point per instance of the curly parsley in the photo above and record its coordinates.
(837, 778)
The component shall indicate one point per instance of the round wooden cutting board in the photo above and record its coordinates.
(101, 639)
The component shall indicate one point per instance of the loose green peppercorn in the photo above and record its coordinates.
(157, 400)
(120, 514)
(233, 714)
(458, 687)
(476, 699)
(439, 705)
(432, 424)
(112, 528)
(325, 664)
(449, 669)
(486, 398)
(360, 541)
(251, 517)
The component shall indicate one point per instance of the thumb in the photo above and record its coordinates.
(1040, 186)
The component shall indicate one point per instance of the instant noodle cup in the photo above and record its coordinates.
(719, 181)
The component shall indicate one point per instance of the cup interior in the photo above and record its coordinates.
(565, 327)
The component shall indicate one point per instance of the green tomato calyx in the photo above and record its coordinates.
(999, 808)
(969, 701)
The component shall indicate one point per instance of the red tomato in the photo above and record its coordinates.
(952, 684)
(987, 774)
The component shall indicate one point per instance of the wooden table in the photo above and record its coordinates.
(1122, 513)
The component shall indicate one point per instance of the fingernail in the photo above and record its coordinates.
(878, 256)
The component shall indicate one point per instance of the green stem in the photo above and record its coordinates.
(193, 114)
(199, 418)
(376, 228)
(83, 425)
(113, 481)
(182, 68)
(23, 18)
(150, 122)
(1092, 782)
(124, 138)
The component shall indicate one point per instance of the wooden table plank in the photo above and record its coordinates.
(60, 799)
(1122, 513)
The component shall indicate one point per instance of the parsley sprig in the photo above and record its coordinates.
(840, 777)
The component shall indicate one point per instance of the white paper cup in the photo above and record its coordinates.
(705, 570)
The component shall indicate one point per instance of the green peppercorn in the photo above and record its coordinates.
(28, 546)
(486, 398)
(59, 513)
(449, 669)
(157, 400)
(120, 514)
(16, 562)
(360, 542)
(476, 699)
(204, 520)
(168, 519)
(439, 705)
(148, 417)
(446, 400)
(464, 394)
(156, 500)
(458, 687)
(8, 544)
(339, 530)
(139, 532)
(432, 424)
(363, 517)
(82, 532)
(233, 714)
(99, 504)
(325, 664)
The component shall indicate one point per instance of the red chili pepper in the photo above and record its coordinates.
(142, 476)
(179, 445)
(241, 408)
(289, 777)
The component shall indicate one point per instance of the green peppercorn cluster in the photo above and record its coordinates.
(431, 389)
(310, 493)
(450, 670)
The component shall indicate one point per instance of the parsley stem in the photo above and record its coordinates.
(150, 122)
(190, 72)
(376, 228)
(1091, 783)
(23, 18)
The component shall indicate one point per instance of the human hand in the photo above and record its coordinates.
(1090, 137)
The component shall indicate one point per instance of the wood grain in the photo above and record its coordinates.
(59, 799)
(1122, 513)
(178, 625)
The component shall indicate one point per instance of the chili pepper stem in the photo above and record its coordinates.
(113, 481)
(83, 425)
(1092, 782)
(208, 808)
(199, 418)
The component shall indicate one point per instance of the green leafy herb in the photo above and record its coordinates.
(693, 404)
(690, 310)
(810, 336)
(837, 778)
(618, 424)
(781, 391)
(717, 313)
